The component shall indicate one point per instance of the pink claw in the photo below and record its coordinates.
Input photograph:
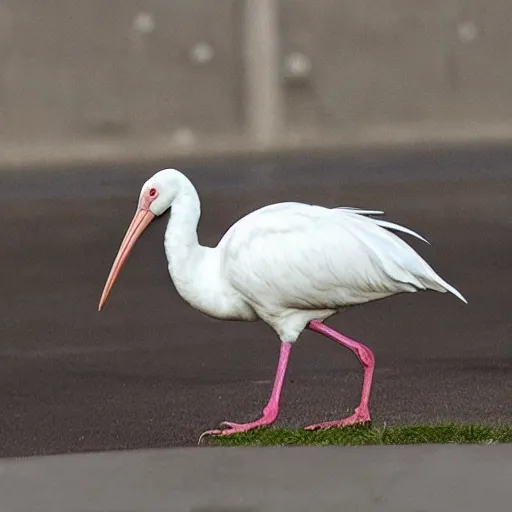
(236, 428)
(359, 417)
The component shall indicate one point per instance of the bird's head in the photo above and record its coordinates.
(156, 197)
(158, 193)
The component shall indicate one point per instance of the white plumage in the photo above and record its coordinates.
(294, 263)
(287, 264)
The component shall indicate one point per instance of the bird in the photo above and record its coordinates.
(291, 265)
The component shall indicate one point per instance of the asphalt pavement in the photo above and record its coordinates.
(149, 371)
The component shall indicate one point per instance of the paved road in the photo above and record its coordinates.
(149, 371)
(373, 479)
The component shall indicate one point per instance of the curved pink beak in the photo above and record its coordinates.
(140, 222)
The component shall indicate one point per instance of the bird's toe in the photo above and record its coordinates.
(231, 428)
(230, 425)
(355, 419)
(207, 433)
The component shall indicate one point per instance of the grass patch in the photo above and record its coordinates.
(359, 435)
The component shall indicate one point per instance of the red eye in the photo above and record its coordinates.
(152, 192)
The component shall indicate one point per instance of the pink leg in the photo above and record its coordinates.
(367, 359)
(271, 410)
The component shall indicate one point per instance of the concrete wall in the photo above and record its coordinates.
(78, 69)
(129, 78)
(399, 61)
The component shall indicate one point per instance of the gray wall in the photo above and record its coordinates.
(78, 69)
(400, 61)
(86, 79)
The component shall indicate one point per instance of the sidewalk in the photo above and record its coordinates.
(366, 479)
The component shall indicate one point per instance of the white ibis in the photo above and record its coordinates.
(291, 265)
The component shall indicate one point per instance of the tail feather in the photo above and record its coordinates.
(382, 223)
(396, 227)
(436, 282)
(445, 287)
(359, 211)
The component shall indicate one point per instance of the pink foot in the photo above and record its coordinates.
(359, 416)
(236, 428)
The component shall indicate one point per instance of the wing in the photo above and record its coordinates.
(308, 257)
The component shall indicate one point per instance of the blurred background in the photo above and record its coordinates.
(399, 105)
(132, 78)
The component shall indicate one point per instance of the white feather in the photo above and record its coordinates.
(286, 259)
(360, 211)
(290, 263)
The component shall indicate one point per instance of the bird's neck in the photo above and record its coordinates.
(182, 248)
(181, 241)
(194, 269)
